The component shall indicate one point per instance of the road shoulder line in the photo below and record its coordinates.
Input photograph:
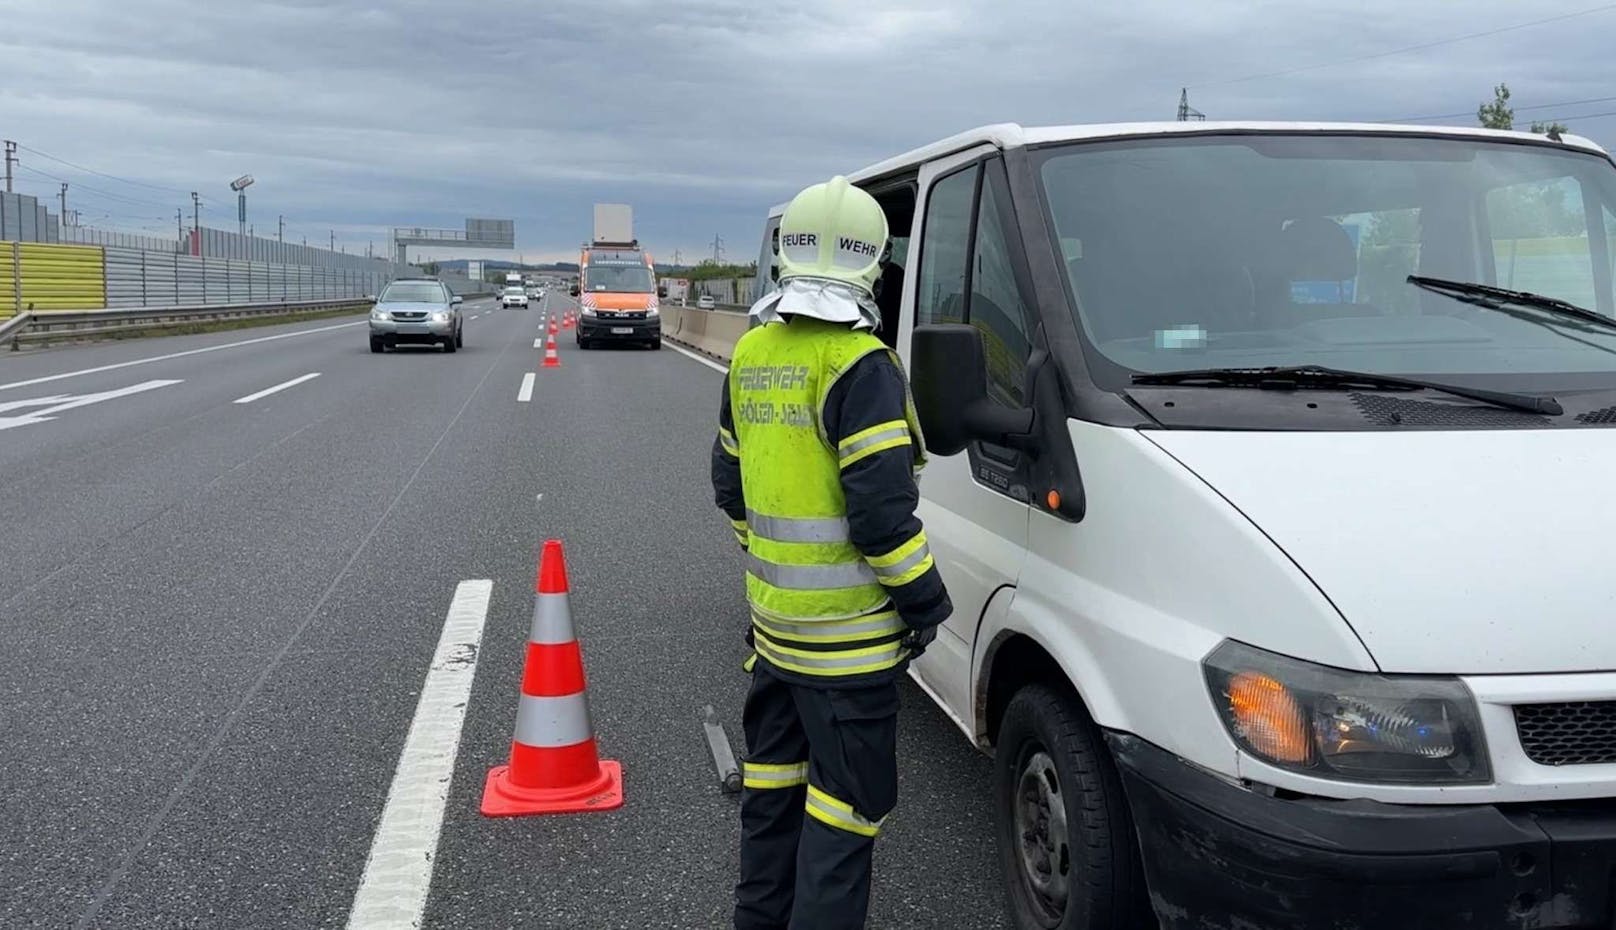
(715, 366)
(163, 358)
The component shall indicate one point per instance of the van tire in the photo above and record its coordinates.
(1047, 730)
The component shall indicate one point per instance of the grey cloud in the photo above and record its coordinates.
(359, 114)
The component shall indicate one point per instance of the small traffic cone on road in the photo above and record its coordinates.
(555, 767)
(553, 327)
(551, 359)
(566, 320)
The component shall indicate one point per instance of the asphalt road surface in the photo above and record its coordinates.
(226, 564)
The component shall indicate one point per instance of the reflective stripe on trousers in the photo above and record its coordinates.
(771, 775)
(832, 811)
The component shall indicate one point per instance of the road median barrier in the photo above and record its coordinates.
(710, 332)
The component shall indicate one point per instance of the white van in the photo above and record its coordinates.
(1273, 470)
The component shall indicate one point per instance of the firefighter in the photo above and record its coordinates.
(815, 464)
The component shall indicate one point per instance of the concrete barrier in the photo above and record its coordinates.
(710, 332)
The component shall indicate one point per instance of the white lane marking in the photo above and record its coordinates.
(538, 343)
(525, 393)
(392, 893)
(164, 358)
(37, 401)
(277, 388)
(60, 402)
(474, 316)
(715, 366)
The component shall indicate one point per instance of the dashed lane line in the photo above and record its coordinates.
(398, 874)
(278, 388)
(525, 392)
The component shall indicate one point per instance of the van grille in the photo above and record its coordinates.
(1573, 733)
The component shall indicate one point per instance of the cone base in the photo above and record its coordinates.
(502, 798)
(551, 363)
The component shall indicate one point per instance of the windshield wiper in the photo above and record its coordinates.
(1291, 378)
(1490, 297)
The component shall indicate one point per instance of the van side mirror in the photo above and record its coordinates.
(950, 384)
(456, 299)
(661, 292)
(572, 289)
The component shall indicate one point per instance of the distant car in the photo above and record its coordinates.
(534, 292)
(513, 296)
(416, 311)
(541, 293)
(704, 302)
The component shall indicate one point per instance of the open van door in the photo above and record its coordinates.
(974, 502)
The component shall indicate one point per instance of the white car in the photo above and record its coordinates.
(513, 296)
(705, 302)
(1270, 480)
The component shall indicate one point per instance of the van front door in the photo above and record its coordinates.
(974, 504)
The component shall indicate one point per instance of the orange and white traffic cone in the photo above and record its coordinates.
(553, 327)
(551, 359)
(555, 767)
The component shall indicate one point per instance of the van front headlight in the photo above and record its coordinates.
(1344, 725)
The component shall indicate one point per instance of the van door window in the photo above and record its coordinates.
(767, 264)
(945, 239)
(996, 307)
(967, 276)
(1610, 239)
(1540, 239)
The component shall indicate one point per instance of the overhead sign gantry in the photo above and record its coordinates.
(478, 234)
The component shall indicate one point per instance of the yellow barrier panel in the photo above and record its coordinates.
(62, 277)
(8, 280)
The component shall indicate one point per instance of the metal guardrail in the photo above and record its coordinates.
(48, 326)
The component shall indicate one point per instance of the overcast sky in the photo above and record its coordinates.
(358, 115)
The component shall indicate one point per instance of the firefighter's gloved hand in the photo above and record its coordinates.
(917, 640)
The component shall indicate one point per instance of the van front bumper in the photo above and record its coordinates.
(626, 330)
(1219, 856)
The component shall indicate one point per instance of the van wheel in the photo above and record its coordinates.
(1066, 840)
(376, 345)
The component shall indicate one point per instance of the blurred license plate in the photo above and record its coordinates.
(622, 331)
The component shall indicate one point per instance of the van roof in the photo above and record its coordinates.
(1010, 135)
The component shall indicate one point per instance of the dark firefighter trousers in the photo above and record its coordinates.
(821, 771)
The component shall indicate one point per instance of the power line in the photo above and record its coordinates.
(103, 174)
(1408, 48)
(1535, 106)
(1573, 117)
(107, 194)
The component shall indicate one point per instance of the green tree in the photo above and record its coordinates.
(1500, 115)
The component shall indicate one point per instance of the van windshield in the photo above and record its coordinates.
(1279, 250)
(618, 272)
